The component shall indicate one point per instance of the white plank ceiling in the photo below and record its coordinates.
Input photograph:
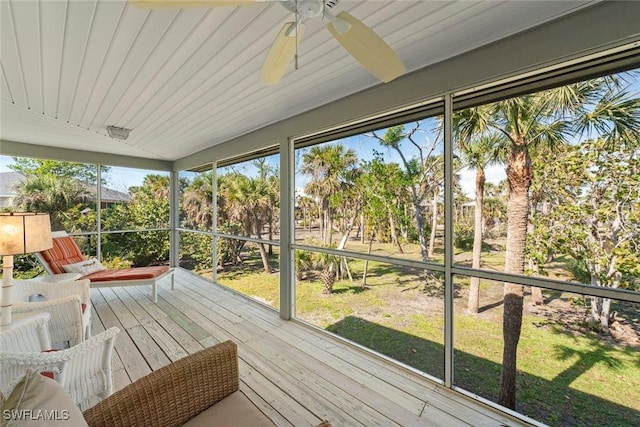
(184, 80)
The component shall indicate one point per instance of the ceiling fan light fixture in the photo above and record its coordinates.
(118, 133)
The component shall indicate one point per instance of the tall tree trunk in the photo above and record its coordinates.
(536, 296)
(519, 175)
(362, 227)
(366, 262)
(263, 249)
(474, 284)
(329, 226)
(265, 258)
(321, 221)
(601, 307)
(394, 233)
(536, 293)
(422, 237)
(434, 222)
(325, 226)
(270, 233)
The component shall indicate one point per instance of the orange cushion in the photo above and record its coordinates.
(64, 251)
(136, 273)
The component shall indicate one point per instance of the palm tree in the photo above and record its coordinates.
(330, 168)
(478, 154)
(546, 118)
(52, 194)
(197, 202)
(250, 204)
(270, 183)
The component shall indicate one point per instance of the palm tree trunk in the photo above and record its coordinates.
(474, 284)
(519, 176)
(265, 258)
(263, 249)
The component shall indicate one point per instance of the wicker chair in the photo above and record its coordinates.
(27, 334)
(84, 370)
(202, 389)
(68, 303)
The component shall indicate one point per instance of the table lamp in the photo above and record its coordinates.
(20, 233)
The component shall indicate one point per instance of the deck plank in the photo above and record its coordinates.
(294, 373)
(169, 345)
(335, 367)
(273, 401)
(132, 360)
(330, 375)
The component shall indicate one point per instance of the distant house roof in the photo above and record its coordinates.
(9, 180)
(113, 196)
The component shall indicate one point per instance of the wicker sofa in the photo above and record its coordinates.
(199, 390)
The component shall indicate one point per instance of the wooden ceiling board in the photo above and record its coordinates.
(52, 34)
(98, 42)
(5, 91)
(200, 47)
(143, 46)
(218, 74)
(11, 65)
(225, 90)
(77, 30)
(146, 78)
(127, 30)
(28, 48)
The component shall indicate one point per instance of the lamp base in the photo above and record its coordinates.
(7, 284)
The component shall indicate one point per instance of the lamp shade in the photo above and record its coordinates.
(24, 232)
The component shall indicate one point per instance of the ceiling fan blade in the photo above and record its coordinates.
(162, 4)
(281, 53)
(367, 48)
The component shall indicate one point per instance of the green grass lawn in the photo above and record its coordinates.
(565, 377)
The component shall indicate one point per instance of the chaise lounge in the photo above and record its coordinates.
(65, 257)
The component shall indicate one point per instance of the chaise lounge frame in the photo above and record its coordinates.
(111, 283)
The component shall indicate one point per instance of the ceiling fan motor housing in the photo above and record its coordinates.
(308, 8)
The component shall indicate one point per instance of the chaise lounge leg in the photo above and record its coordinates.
(172, 280)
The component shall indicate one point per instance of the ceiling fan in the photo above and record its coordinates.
(359, 40)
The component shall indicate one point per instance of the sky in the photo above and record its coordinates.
(117, 178)
(121, 179)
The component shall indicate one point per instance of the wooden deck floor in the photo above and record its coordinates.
(295, 374)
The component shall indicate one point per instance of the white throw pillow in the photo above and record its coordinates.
(84, 267)
(37, 401)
